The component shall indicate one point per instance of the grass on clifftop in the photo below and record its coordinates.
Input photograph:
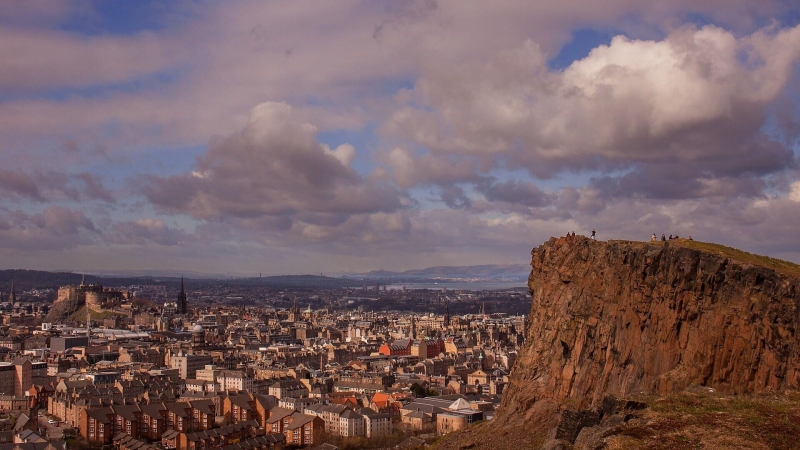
(778, 265)
(698, 418)
(714, 422)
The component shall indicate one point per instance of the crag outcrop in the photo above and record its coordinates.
(615, 319)
(63, 308)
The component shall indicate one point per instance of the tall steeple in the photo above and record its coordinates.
(446, 314)
(182, 300)
(12, 298)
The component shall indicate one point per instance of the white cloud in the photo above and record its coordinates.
(668, 125)
(794, 192)
(684, 98)
(345, 153)
(273, 173)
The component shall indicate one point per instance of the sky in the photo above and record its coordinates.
(342, 136)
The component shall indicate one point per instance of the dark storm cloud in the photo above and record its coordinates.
(145, 231)
(93, 188)
(48, 186)
(18, 183)
(62, 221)
(55, 228)
(512, 191)
(455, 197)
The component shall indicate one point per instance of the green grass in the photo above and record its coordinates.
(80, 315)
(778, 265)
(695, 419)
(705, 420)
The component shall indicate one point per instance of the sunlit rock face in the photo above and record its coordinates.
(618, 318)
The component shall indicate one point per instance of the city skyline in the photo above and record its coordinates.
(347, 136)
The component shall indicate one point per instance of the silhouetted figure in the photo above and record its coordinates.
(663, 238)
(670, 237)
(593, 233)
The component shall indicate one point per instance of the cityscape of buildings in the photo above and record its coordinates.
(145, 367)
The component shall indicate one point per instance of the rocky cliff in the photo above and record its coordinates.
(615, 319)
(63, 308)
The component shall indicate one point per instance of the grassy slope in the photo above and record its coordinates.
(779, 265)
(710, 421)
(80, 315)
(685, 421)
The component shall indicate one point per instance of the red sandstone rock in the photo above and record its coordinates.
(616, 318)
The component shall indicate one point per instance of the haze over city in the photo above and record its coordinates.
(336, 136)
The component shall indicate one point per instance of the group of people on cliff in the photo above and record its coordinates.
(593, 236)
(664, 238)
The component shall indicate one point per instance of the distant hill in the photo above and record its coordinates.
(294, 281)
(37, 279)
(485, 272)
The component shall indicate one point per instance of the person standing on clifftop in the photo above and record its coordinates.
(654, 238)
(593, 233)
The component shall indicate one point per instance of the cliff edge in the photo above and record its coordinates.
(618, 319)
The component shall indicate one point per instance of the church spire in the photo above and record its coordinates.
(12, 298)
(182, 299)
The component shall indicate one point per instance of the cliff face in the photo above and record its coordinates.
(62, 308)
(618, 318)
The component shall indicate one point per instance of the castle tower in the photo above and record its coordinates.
(182, 300)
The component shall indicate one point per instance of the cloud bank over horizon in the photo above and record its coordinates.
(348, 136)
